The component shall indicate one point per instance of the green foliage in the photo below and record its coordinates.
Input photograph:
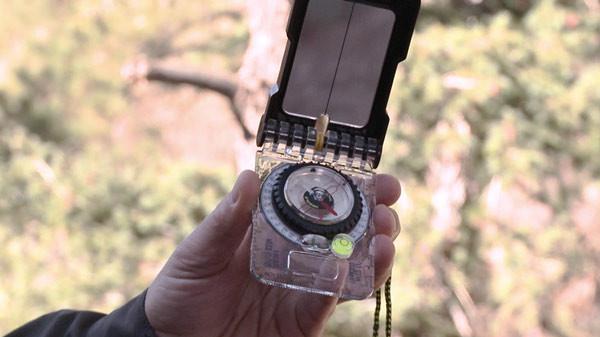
(495, 133)
(512, 101)
(82, 223)
(89, 230)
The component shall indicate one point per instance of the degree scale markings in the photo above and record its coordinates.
(273, 218)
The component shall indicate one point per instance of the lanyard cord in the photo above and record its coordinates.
(388, 309)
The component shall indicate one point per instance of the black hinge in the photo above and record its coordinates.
(339, 144)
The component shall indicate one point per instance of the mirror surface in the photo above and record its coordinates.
(338, 61)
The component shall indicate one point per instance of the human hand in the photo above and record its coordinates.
(206, 289)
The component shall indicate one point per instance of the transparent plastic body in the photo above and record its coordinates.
(280, 261)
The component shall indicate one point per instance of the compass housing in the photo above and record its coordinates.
(298, 256)
(302, 224)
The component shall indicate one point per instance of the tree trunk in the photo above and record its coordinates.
(267, 22)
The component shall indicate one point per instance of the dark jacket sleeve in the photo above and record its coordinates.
(128, 321)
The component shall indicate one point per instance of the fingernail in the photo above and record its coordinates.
(398, 227)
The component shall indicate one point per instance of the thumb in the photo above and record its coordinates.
(210, 247)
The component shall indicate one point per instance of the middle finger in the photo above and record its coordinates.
(386, 221)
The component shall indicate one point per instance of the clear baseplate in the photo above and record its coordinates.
(311, 266)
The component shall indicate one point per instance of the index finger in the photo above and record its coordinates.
(387, 189)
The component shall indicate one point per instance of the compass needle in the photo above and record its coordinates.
(328, 208)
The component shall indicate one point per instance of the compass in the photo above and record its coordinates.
(320, 140)
(305, 200)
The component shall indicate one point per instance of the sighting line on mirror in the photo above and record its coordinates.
(337, 66)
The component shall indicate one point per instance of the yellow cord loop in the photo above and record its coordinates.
(388, 309)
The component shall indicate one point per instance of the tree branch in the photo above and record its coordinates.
(462, 309)
(201, 80)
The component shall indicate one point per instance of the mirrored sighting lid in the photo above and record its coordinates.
(340, 61)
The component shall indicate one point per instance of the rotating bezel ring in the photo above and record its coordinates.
(287, 220)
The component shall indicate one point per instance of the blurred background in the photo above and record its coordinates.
(122, 123)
